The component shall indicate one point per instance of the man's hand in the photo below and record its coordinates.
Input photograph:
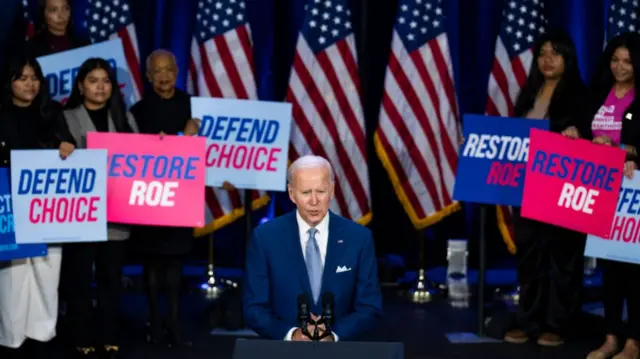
(66, 148)
(602, 140)
(192, 127)
(321, 329)
(299, 337)
(571, 132)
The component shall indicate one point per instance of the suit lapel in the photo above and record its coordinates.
(336, 245)
(296, 255)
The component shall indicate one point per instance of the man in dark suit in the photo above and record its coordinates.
(311, 251)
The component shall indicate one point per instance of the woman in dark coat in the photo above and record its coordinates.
(550, 258)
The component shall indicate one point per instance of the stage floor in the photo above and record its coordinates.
(427, 331)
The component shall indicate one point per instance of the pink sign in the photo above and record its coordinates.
(572, 183)
(153, 180)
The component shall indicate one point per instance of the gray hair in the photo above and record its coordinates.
(310, 161)
(160, 52)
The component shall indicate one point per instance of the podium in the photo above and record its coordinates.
(261, 349)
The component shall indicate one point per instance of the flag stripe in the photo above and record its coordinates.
(312, 132)
(331, 63)
(418, 131)
(221, 65)
(304, 128)
(328, 118)
(231, 70)
(416, 106)
(389, 152)
(406, 140)
(131, 52)
(325, 114)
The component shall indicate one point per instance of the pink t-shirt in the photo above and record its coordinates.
(608, 120)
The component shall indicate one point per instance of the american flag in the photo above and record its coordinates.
(522, 22)
(30, 28)
(418, 132)
(324, 90)
(623, 17)
(221, 65)
(111, 19)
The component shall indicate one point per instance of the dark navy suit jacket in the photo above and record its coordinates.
(275, 274)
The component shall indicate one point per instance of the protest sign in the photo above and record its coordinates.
(61, 69)
(59, 201)
(491, 164)
(153, 179)
(623, 242)
(247, 141)
(9, 249)
(572, 183)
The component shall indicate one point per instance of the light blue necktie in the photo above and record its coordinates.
(314, 264)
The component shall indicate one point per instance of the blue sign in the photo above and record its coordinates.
(622, 244)
(9, 250)
(492, 159)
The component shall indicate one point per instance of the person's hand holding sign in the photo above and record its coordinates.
(66, 148)
(571, 132)
(629, 169)
(602, 140)
(192, 127)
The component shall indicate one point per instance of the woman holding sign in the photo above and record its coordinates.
(550, 259)
(614, 120)
(29, 287)
(96, 105)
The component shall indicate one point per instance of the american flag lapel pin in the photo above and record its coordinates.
(340, 241)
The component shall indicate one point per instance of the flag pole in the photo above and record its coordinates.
(422, 291)
(247, 215)
(482, 268)
(213, 287)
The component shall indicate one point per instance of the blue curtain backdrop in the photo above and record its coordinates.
(472, 27)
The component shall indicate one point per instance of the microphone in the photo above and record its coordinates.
(303, 314)
(327, 313)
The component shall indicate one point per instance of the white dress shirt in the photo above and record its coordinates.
(322, 237)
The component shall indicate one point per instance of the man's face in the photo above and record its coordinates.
(312, 191)
(163, 73)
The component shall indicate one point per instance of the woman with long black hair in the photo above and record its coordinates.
(96, 105)
(29, 287)
(613, 119)
(55, 31)
(550, 259)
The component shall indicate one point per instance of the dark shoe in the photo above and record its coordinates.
(111, 352)
(39, 350)
(550, 340)
(516, 336)
(11, 353)
(175, 337)
(154, 334)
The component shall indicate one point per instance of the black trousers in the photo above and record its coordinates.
(621, 281)
(87, 328)
(550, 272)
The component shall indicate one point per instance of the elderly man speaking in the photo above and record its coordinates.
(311, 252)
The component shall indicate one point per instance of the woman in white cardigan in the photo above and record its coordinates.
(95, 104)
(29, 287)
